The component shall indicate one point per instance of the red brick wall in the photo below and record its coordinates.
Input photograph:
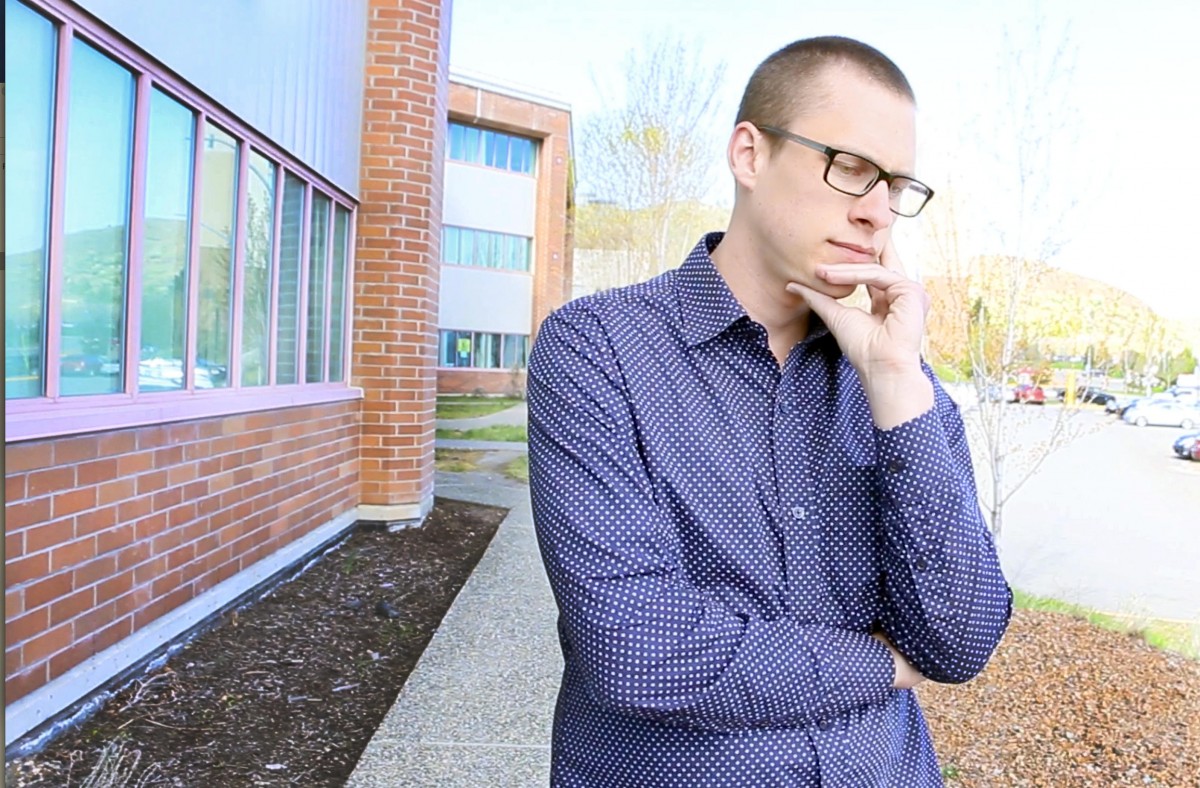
(484, 381)
(399, 232)
(104, 533)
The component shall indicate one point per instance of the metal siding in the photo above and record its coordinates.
(293, 69)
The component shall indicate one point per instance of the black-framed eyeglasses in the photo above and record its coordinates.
(852, 174)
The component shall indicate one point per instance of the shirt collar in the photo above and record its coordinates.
(707, 305)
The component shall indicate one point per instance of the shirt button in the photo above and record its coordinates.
(825, 723)
(897, 465)
(920, 564)
(798, 512)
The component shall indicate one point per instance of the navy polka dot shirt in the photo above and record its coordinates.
(722, 535)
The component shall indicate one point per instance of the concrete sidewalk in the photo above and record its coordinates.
(476, 711)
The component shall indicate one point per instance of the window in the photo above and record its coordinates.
(492, 148)
(29, 59)
(290, 259)
(256, 287)
(314, 368)
(481, 350)
(168, 217)
(218, 222)
(462, 246)
(337, 318)
(96, 224)
(162, 234)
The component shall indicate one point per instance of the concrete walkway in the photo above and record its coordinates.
(476, 711)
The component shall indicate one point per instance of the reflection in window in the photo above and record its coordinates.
(481, 350)
(337, 301)
(492, 148)
(165, 245)
(291, 239)
(516, 351)
(314, 368)
(256, 291)
(29, 56)
(96, 223)
(463, 246)
(218, 216)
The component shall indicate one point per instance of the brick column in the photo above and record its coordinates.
(397, 268)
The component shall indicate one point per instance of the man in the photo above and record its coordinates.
(754, 503)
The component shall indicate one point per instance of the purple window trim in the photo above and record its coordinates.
(302, 308)
(234, 367)
(121, 411)
(57, 240)
(276, 236)
(347, 297)
(327, 313)
(131, 355)
(192, 340)
(54, 415)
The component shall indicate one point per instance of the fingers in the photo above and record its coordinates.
(861, 274)
(889, 259)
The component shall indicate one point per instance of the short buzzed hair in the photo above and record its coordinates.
(786, 84)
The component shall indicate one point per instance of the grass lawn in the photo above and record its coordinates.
(499, 432)
(518, 469)
(1179, 637)
(456, 460)
(466, 407)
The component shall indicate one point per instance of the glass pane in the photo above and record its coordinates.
(165, 248)
(500, 158)
(462, 349)
(514, 351)
(487, 351)
(517, 154)
(471, 145)
(487, 141)
(337, 305)
(291, 237)
(456, 141)
(218, 222)
(314, 368)
(446, 348)
(256, 289)
(99, 148)
(450, 245)
(29, 57)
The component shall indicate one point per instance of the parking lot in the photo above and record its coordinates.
(1109, 521)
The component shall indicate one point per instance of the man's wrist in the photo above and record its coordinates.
(897, 395)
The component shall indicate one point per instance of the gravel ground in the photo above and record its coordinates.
(1066, 704)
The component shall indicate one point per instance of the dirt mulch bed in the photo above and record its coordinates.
(1065, 704)
(289, 690)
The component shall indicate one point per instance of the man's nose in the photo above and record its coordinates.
(874, 207)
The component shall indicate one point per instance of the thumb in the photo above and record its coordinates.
(828, 309)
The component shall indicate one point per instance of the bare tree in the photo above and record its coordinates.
(1022, 216)
(649, 155)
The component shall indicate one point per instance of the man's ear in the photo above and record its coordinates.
(747, 153)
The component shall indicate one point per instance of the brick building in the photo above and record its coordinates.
(221, 308)
(506, 243)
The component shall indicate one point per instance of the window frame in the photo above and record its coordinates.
(54, 414)
(477, 154)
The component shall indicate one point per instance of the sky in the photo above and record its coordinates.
(1123, 184)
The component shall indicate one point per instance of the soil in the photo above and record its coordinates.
(290, 689)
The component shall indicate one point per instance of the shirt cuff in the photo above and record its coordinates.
(914, 462)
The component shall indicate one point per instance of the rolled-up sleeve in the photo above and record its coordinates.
(947, 603)
(649, 642)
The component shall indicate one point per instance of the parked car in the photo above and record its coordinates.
(1089, 394)
(1030, 394)
(1163, 412)
(1185, 443)
(1196, 451)
(82, 364)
